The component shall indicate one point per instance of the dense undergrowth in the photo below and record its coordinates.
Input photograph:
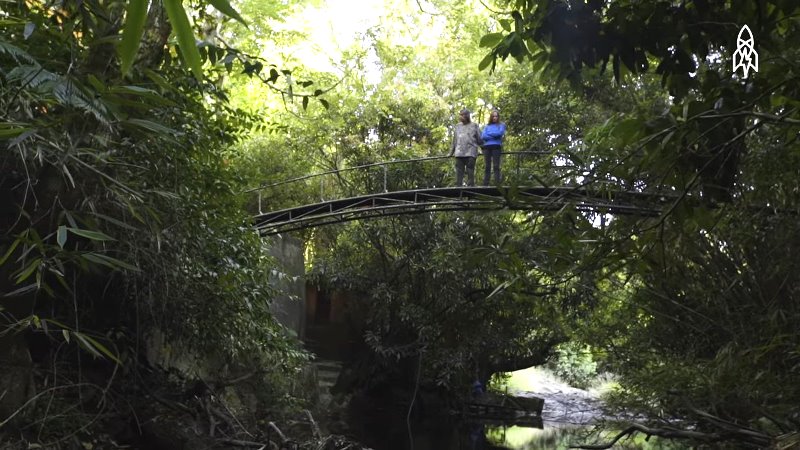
(124, 245)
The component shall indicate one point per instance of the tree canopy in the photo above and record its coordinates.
(134, 132)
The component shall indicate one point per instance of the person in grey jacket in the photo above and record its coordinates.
(466, 140)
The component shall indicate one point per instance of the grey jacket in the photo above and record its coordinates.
(466, 140)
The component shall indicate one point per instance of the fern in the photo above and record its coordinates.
(69, 93)
(65, 90)
(17, 53)
(31, 76)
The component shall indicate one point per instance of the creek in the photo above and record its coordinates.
(569, 417)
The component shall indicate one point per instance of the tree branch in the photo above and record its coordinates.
(769, 117)
(743, 436)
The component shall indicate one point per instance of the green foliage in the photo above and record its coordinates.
(695, 308)
(136, 15)
(473, 294)
(133, 29)
(121, 210)
(574, 363)
(121, 214)
(183, 31)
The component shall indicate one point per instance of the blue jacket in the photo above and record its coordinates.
(493, 133)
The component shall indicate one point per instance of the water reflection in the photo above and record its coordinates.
(392, 432)
(554, 436)
(527, 438)
(388, 429)
(382, 432)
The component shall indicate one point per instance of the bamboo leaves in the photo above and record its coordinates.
(15, 52)
(83, 339)
(185, 35)
(132, 33)
(225, 7)
(134, 29)
(10, 130)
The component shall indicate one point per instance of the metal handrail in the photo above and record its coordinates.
(365, 166)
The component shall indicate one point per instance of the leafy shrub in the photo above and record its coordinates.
(574, 363)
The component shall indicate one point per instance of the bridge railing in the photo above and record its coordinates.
(518, 168)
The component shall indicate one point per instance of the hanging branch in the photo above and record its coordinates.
(252, 68)
(741, 435)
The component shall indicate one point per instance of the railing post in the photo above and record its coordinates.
(259, 203)
(517, 175)
(321, 187)
(385, 178)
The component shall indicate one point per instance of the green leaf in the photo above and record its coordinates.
(94, 347)
(21, 290)
(136, 90)
(61, 236)
(132, 33)
(96, 84)
(305, 103)
(273, 75)
(488, 59)
(108, 261)
(83, 342)
(16, 53)
(159, 80)
(93, 235)
(115, 221)
(667, 138)
(9, 130)
(183, 31)
(68, 174)
(628, 130)
(152, 126)
(225, 8)
(70, 219)
(203, 50)
(516, 47)
(9, 251)
(501, 287)
(28, 270)
(538, 60)
(325, 103)
(491, 39)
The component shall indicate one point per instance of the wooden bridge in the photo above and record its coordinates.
(420, 185)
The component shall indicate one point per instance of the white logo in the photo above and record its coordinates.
(745, 56)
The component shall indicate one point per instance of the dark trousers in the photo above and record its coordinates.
(463, 162)
(491, 158)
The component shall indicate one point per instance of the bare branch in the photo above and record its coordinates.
(743, 436)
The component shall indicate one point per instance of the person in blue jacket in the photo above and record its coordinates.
(492, 135)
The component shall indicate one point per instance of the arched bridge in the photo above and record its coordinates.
(531, 181)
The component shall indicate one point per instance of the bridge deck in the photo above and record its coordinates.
(458, 198)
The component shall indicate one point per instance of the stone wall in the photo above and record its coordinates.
(289, 280)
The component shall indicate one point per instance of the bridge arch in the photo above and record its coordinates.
(422, 190)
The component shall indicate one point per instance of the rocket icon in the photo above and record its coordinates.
(745, 56)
